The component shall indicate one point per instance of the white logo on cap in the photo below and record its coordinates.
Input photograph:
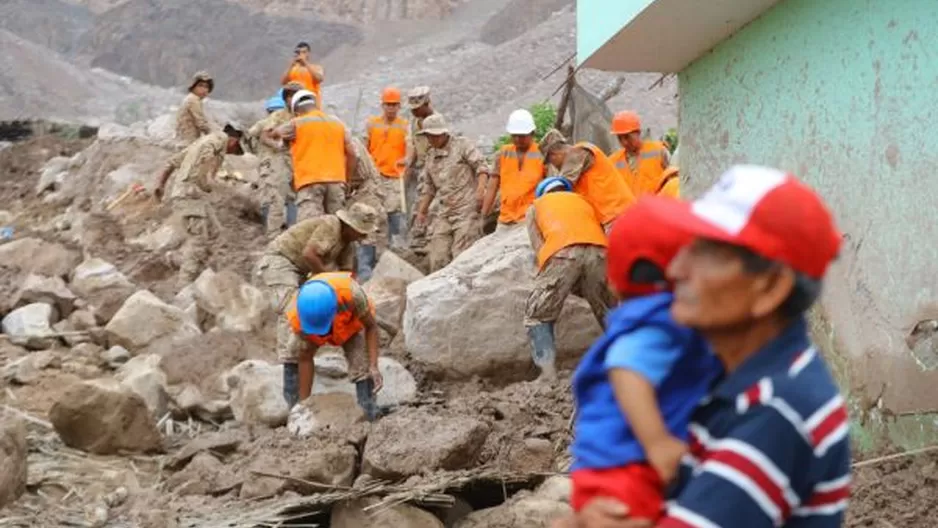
(730, 202)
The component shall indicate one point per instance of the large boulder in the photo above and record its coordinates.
(392, 266)
(143, 376)
(49, 290)
(31, 326)
(102, 286)
(31, 255)
(104, 418)
(28, 369)
(445, 441)
(255, 391)
(53, 174)
(231, 303)
(144, 320)
(524, 510)
(13, 451)
(387, 295)
(467, 319)
(352, 514)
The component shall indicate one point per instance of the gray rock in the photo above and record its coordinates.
(49, 290)
(31, 255)
(13, 464)
(115, 356)
(143, 375)
(28, 369)
(352, 514)
(333, 414)
(391, 266)
(144, 320)
(231, 303)
(31, 326)
(104, 287)
(524, 510)
(255, 390)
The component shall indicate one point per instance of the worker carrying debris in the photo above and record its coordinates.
(191, 123)
(304, 72)
(421, 108)
(333, 309)
(592, 175)
(386, 138)
(637, 385)
(640, 162)
(195, 168)
(570, 247)
(274, 168)
(451, 189)
(316, 245)
(519, 167)
(323, 157)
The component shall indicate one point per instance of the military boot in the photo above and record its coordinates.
(367, 255)
(365, 394)
(291, 383)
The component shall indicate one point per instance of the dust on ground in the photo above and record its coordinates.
(896, 493)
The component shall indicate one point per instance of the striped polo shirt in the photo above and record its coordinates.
(769, 446)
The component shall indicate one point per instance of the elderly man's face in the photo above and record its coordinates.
(713, 290)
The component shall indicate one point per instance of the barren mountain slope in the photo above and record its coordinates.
(54, 24)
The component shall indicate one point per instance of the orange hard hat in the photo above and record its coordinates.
(626, 123)
(391, 95)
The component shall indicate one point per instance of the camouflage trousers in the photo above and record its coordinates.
(391, 188)
(580, 270)
(279, 278)
(275, 193)
(318, 199)
(355, 351)
(450, 234)
(200, 228)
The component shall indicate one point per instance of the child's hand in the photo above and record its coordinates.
(665, 457)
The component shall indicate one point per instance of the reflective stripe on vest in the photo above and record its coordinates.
(647, 178)
(345, 325)
(603, 186)
(387, 145)
(517, 184)
(318, 150)
(565, 219)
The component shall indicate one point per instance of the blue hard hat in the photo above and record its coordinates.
(316, 306)
(275, 102)
(549, 184)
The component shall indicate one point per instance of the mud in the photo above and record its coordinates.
(896, 493)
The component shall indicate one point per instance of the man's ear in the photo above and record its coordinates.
(772, 289)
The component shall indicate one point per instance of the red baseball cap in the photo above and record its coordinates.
(637, 235)
(764, 210)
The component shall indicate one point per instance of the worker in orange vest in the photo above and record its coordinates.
(519, 167)
(670, 183)
(306, 73)
(588, 168)
(332, 309)
(570, 246)
(323, 157)
(642, 163)
(386, 138)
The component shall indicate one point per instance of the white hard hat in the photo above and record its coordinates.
(301, 96)
(520, 122)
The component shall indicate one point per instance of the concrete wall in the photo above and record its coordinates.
(845, 94)
(599, 20)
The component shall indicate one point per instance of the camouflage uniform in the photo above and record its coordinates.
(367, 187)
(450, 179)
(194, 167)
(191, 122)
(282, 268)
(579, 269)
(275, 171)
(319, 198)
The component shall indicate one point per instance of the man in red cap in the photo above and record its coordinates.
(769, 446)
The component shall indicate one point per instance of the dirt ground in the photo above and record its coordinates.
(896, 493)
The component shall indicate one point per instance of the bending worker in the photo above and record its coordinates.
(333, 309)
(519, 167)
(386, 138)
(642, 163)
(316, 245)
(570, 246)
(323, 157)
(592, 175)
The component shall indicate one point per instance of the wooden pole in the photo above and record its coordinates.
(565, 100)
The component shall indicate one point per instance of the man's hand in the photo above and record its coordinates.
(602, 513)
(665, 457)
(376, 377)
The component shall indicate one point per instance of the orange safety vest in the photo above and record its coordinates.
(345, 325)
(301, 75)
(565, 219)
(318, 150)
(517, 181)
(670, 185)
(650, 172)
(603, 187)
(387, 144)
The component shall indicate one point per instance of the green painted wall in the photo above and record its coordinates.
(599, 20)
(845, 94)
